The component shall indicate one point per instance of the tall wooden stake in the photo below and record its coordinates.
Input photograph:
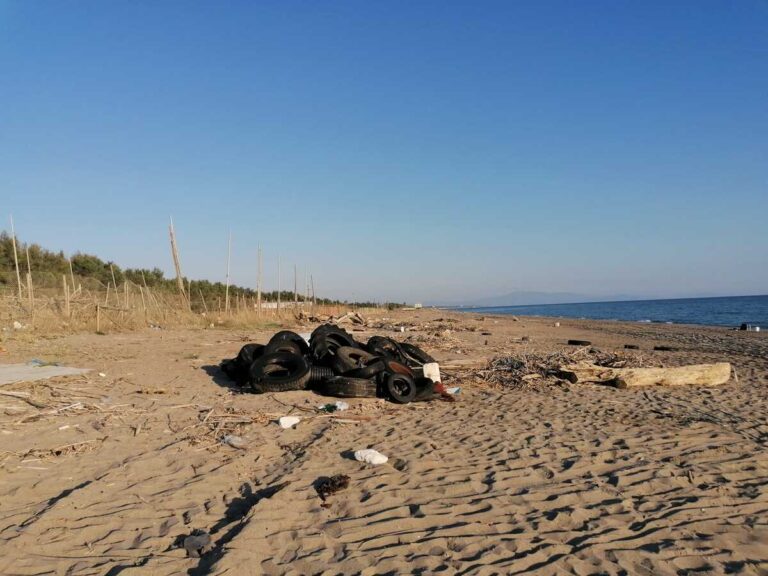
(226, 290)
(278, 283)
(30, 292)
(312, 281)
(258, 286)
(15, 257)
(295, 288)
(177, 266)
(72, 275)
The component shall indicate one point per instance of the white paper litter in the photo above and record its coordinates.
(370, 457)
(288, 421)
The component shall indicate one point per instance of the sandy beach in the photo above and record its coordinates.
(106, 473)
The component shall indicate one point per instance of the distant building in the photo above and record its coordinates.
(417, 305)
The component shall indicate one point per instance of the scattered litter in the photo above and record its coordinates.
(455, 390)
(197, 544)
(328, 486)
(557, 324)
(288, 421)
(432, 371)
(102, 374)
(335, 407)
(234, 441)
(18, 325)
(370, 456)
(749, 327)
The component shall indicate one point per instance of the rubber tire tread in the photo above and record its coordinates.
(297, 379)
(345, 387)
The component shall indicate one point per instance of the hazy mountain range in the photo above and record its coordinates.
(525, 298)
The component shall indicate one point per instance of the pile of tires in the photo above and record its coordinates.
(333, 363)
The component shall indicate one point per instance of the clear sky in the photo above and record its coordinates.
(411, 150)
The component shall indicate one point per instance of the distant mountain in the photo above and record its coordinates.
(527, 298)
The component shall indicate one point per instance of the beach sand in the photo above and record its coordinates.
(106, 475)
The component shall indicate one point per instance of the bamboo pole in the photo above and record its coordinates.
(229, 257)
(258, 286)
(205, 306)
(30, 288)
(177, 265)
(15, 257)
(66, 295)
(72, 274)
(312, 280)
(114, 283)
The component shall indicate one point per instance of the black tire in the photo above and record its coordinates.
(283, 346)
(386, 347)
(415, 354)
(325, 345)
(249, 353)
(395, 367)
(238, 368)
(279, 372)
(344, 387)
(579, 343)
(371, 370)
(292, 337)
(348, 358)
(399, 388)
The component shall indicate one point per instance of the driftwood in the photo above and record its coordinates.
(697, 374)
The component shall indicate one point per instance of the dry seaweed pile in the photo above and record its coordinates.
(530, 369)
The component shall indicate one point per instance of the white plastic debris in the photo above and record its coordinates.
(432, 371)
(102, 374)
(17, 325)
(455, 390)
(370, 457)
(341, 406)
(234, 441)
(288, 421)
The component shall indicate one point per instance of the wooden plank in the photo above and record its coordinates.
(695, 374)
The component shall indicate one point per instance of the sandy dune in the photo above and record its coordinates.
(552, 479)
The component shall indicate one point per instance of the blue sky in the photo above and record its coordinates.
(416, 151)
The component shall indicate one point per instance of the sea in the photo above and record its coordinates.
(731, 311)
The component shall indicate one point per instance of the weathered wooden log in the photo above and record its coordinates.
(695, 374)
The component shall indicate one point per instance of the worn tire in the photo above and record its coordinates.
(283, 346)
(386, 347)
(348, 358)
(325, 345)
(415, 354)
(399, 388)
(344, 387)
(279, 372)
(371, 370)
(394, 367)
(291, 337)
(238, 368)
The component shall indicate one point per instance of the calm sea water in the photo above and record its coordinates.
(727, 311)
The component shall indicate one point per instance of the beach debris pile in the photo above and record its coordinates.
(331, 362)
(591, 365)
